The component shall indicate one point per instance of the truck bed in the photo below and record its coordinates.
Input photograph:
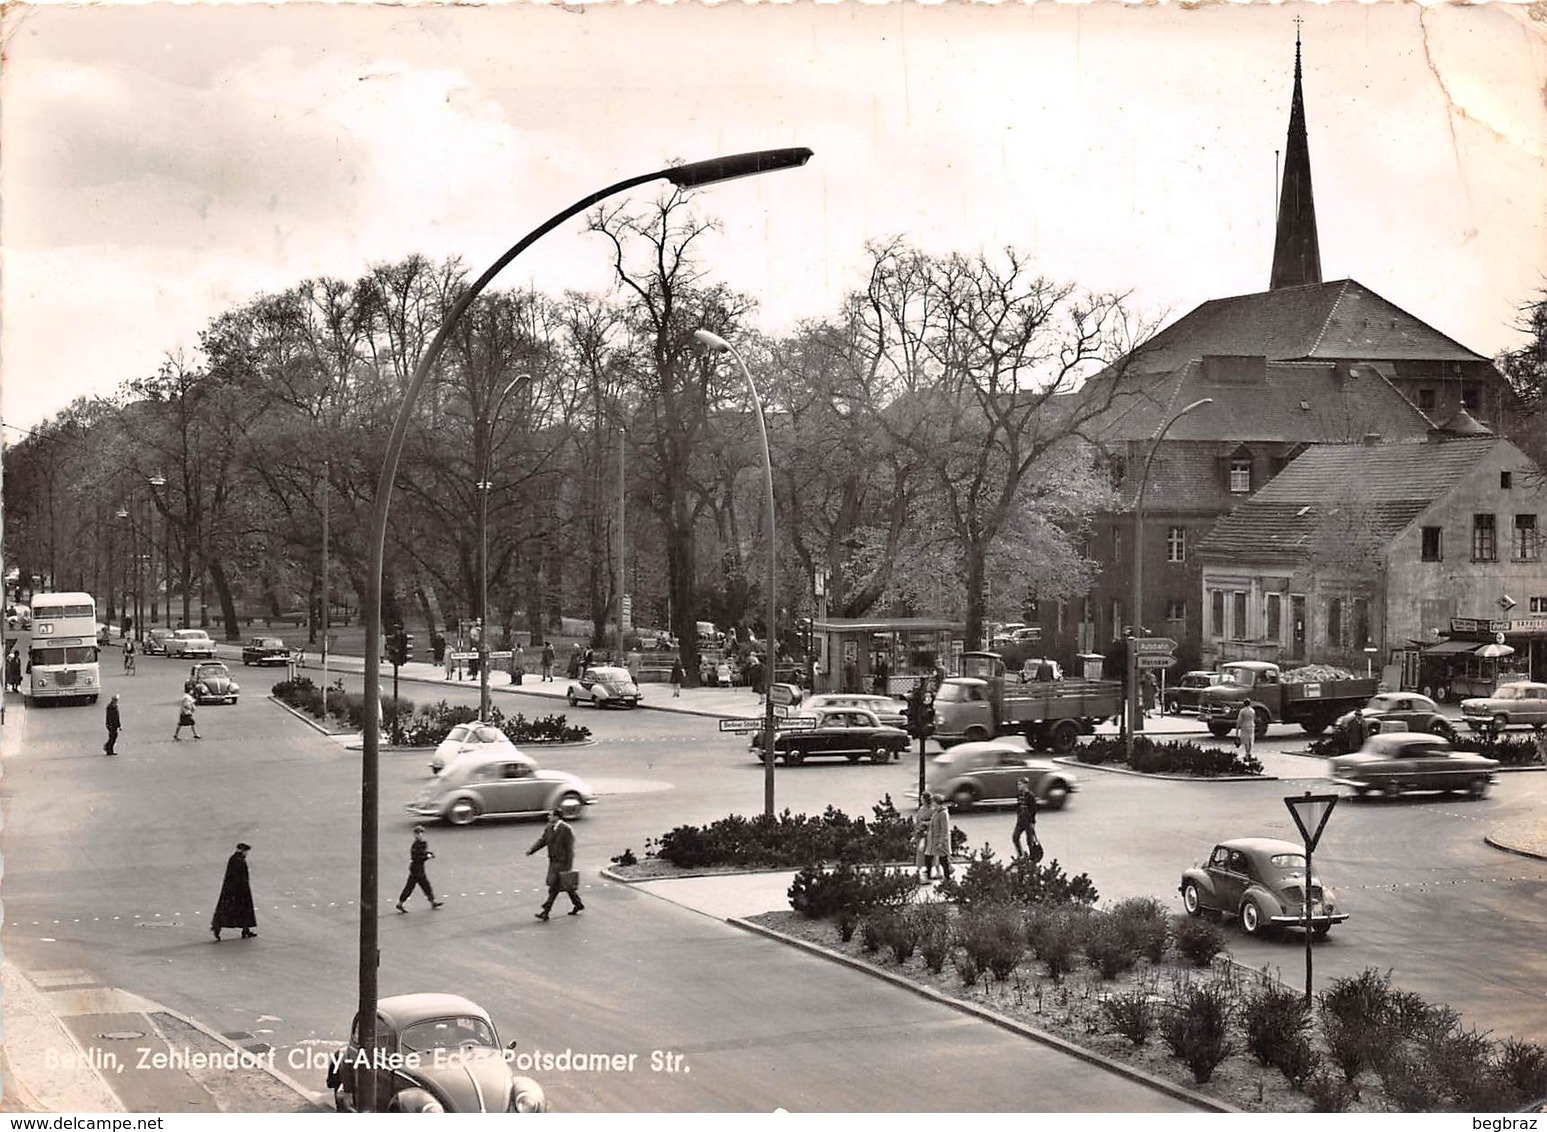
(1061, 699)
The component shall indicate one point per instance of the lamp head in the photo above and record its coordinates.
(696, 174)
(711, 341)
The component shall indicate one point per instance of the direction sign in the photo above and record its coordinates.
(1155, 660)
(741, 725)
(782, 695)
(1144, 646)
(786, 723)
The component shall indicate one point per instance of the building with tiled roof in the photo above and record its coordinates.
(1360, 553)
(1304, 362)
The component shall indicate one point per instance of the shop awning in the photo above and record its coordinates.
(1452, 647)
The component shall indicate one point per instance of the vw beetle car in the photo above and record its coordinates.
(988, 771)
(498, 783)
(434, 1053)
(190, 642)
(1520, 702)
(473, 736)
(156, 641)
(209, 682)
(1261, 880)
(1392, 711)
(853, 733)
(603, 686)
(1392, 763)
(265, 650)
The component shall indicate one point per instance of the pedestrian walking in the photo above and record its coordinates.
(922, 861)
(185, 717)
(548, 662)
(451, 664)
(938, 847)
(1147, 686)
(418, 856)
(234, 907)
(114, 725)
(677, 676)
(13, 670)
(1246, 727)
(559, 839)
(1026, 822)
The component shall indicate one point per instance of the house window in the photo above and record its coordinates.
(1275, 612)
(1426, 399)
(1539, 605)
(1176, 610)
(1506, 480)
(1238, 615)
(1485, 539)
(1525, 548)
(1241, 475)
(1470, 398)
(1432, 544)
(1361, 621)
(1117, 544)
(1217, 614)
(1176, 544)
(1335, 621)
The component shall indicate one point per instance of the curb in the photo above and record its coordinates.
(1052, 1041)
(1067, 760)
(1491, 839)
(310, 1096)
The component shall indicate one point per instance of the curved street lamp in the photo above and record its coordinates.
(715, 344)
(159, 480)
(690, 176)
(1135, 715)
(484, 486)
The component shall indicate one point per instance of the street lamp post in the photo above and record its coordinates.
(484, 486)
(1135, 715)
(719, 345)
(159, 480)
(689, 176)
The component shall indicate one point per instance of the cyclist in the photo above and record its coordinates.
(129, 656)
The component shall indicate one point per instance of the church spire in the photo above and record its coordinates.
(1296, 254)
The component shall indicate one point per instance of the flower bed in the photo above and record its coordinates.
(423, 726)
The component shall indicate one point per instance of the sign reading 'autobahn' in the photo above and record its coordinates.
(1149, 646)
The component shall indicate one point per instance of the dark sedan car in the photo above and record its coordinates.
(853, 733)
(1261, 880)
(1403, 760)
(1393, 711)
(433, 1053)
(1183, 695)
(265, 650)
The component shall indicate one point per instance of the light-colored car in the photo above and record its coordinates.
(1263, 881)
(886, 709)
(988, 771)
(1524, 701)
(477, 736)
(497, 784)
(187, 643)
(1389, 712)
(1398, 761)
(209, 682)
(604, 687)
(434, 1053)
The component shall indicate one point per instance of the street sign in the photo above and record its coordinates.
(1145, 646)
(782, 695)
(1155, 660)
(741, 725)
(1310, 812)
(786, 723)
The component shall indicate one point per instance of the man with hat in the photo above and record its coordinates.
(234, 907)
(114, 725)
(559, 839)
(418, 854)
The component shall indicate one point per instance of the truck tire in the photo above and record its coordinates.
(976, 734)
(1037, 738)
(1219, 730)
(1065, 736)
(1315, 725)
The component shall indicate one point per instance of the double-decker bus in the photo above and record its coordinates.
(62, 656)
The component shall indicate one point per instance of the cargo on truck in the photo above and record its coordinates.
(1313, 696)
(989, 700)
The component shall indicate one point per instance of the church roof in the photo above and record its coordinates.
(1340, 319)
(1296, 251)
(1381, 487)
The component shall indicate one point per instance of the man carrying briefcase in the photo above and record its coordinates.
(562, 877)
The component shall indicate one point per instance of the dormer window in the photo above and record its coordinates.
(1240, 475)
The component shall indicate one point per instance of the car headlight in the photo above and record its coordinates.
(235, 687)
(526, 1095)
(417, 1100)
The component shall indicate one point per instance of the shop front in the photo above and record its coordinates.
(887, 655)
(1477, 656)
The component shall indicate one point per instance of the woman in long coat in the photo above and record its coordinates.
(234, 908)
(937, 845)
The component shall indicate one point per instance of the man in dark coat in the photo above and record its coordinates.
(114, 725)
(559, 839)
(418, 855)
(1026, 822)
(234, 908)
(13, 670)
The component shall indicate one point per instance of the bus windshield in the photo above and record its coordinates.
(72, 654)
(44, 612)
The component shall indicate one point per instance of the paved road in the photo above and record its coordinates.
(112, 865)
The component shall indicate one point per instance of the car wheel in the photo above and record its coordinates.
(1065, 736)
(574, 701)
(1192, 899)
(793, 758)
(976, 734)
(1500, 723)
(1477, 788)
(1219, 730)
(464, 811)
(1444, 730)
(1252, 922)
(571, 805)
(964, 797)
(1057, 796)
(1320, 930)
(1391, 789)
(1173, 708)
(879, 753)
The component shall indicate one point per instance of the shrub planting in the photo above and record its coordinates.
(1196, 1025)
(1275, 1019)
(1108, 946)
(994, 938)
(424, 726)
(1131, 1014)
(1171, 757)
(817, 891)
(1144, 922)
(1056, 935)
(1196, 940)
(986, 882)
(936, 935)
(789, 840)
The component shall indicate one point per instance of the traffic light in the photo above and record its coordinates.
(926, 724)
(400, 647)
(913, 713)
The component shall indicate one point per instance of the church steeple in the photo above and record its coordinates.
(1296, 254)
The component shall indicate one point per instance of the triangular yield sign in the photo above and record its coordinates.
(1310, 812)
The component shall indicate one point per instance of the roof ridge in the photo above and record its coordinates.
(1326, 323)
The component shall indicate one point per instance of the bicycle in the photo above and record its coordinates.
(129, 669)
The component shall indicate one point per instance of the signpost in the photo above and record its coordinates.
(1151, 660)
(781, 695)
(784, 723)
(1152, 646)
(1310, 812)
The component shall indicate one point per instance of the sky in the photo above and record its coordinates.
(162, 163)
